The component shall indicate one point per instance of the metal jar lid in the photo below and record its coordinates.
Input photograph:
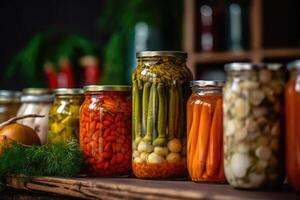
(161, 53)
(68, 91)
(9, 96)
(251, 66)
(98, 88)
(293, 65)
(207, 83)
(36, 91)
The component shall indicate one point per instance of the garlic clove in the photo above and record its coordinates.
(256, 179)
(242, 108)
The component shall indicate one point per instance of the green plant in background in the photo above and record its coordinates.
(119, 18)
(27, 65)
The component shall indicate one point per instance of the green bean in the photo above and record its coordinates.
(149, 129)
(155, 113)
(133, 112)
(146, 90)
(137, 113)
(162, 117)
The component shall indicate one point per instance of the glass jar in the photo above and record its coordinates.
(205, 132)
(9, 104)
(105, 130)
(253, 143)
(36, 101)
(160, 92)
(64, 115)
(292, 116)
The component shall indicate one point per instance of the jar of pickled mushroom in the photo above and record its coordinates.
(36, 101)
(9, 104)
(64, 115)
(292, 116)
(105, 130)
(160, 92)
(205, 132)
(253, 136)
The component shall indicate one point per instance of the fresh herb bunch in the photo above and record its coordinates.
(63, 159)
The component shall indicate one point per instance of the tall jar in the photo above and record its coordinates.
(64, 115)
(292, 116)
(9, 104)
(105, 130)
(253, 137)
(36, 101)
(205, 132)
(160, 91)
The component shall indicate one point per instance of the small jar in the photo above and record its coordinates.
(9, 104)
(160, 92)
(36, 101)
(253, 138)
(205, 132)
(105, 130)
(64, 115)
(292, 116)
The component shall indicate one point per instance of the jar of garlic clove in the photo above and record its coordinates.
(253, 150)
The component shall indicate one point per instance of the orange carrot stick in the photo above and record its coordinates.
(202, 141)
(193, 135)
(221, 174)
(215, 139)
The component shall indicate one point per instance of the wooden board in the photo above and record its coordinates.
(130, 188)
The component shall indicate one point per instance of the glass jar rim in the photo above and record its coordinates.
(294, 65)
(207, 83)
(244, 66)
(36, 91)
(99, 88)
(143, 54)
(9, 95)
(68, 91)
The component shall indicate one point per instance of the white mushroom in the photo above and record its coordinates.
(259, 112)
(262, 141)
(265, 75)
(252, 125)
(256, 97)
(144, 156)
(275, 131)
(230, 128)
(256, 179)
(240, 162)
(174, 145)
(243, 147)
(173, 158)
(242, 108)
(263, 152)
(241, 134)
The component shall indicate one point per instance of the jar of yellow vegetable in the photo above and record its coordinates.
(160, 92)
(64, 115)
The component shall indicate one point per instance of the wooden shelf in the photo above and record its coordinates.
(255, 54)
(131, 188)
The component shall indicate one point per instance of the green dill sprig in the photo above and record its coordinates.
(63, 159)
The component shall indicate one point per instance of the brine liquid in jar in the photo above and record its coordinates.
(160, 91)
(253, 137)
(105, 130)
(64, 115)
(205, 156)
(292, 116)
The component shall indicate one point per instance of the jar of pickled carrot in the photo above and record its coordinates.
(205, 132)
(292, 116)
(105, 130)
(160, 91)
(253, 129)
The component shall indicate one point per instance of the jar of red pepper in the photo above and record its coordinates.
(105, 130)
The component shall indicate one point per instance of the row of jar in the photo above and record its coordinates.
(161, 140)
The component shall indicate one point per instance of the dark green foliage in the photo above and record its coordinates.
(63, 159)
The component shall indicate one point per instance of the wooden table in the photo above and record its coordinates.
(131, 188)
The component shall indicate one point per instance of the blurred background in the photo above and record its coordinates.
(72, 43)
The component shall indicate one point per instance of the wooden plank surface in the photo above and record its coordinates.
(130, 188)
